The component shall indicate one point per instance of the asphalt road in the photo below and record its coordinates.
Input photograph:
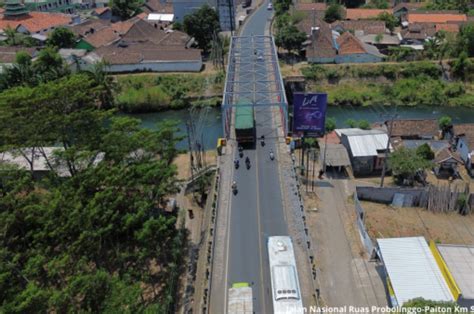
(257, 209)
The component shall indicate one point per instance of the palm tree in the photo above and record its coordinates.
(11, 36)
(103, 80)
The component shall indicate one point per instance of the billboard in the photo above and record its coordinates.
(309, 113)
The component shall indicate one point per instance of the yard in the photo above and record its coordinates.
(384, 221)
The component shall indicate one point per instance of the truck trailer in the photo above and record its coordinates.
(244, 124)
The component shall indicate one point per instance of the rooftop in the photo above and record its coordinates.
(336, 155)
(367, 26)
(365, 142)
(414, 128)
(317, 6)
(426, 17)
(103, 37)
(446, 154)
(364, 14)
(412, 270)
(8, 54)
(36, 21)
(460, 261)
(465, 130)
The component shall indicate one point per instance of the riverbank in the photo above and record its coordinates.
(392, 84)
(151, 92)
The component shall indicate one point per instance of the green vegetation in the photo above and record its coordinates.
(62, 37)
(429, 306)
(96, 240)
(405, 163)
(460, 5)
(125, 9)
(411, 84)
(330, 124)
(390, 20)
(377, 4)
(425, 152)
(203, 25)
(149, 93)
(333, 13)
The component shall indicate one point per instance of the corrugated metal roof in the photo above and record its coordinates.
(412, 270)
(336, 155)
(364, 142)
(460, 261)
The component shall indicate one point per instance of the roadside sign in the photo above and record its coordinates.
(309, 113)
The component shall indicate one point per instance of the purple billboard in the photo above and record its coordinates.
(309, 113)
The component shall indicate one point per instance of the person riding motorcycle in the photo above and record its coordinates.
(234, 185)
(247, 160)
(272, 156)
(236, 163)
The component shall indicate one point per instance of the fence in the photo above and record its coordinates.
(360, 221)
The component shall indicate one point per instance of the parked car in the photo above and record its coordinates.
(270, 6)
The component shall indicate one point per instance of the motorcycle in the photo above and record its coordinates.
(272, 156)
(234, 188)
(247, 163)
(236, 163)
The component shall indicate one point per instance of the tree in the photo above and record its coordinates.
(425, 152)
(425, 306)
(405, 164)
(445, 122)
(49, 65)
(465, 40)
(125, 9)
(330, 124)
(281, 6)
(390, 20)
(351, 123)
(290, 38)
(364, 125)
(333, 13)
(462, 67)
(12, 36)
(107, 85)
(377, 4)
(62, 38)
(201, 25)
(178, 26)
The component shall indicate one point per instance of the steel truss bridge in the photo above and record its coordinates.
(253, 79)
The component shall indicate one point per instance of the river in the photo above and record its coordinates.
(211, 125)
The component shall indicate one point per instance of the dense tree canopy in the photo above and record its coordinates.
(202, 25)
(96, 240)
(333, 13)
(125, 9)
(290, 38)
(406, 163)
(62, 38)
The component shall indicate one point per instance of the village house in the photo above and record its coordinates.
(446, 163)
(158, 6)
(364, 14)
(366, 149)
(8, 55)
(362, 27)
(464, 142)
(435, 17)
(414, 129)
(352, 50)
(403, 8)
(104, 13)
(17, 17)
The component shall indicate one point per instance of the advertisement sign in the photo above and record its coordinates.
(309, 113)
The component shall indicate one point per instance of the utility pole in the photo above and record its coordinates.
(384, 164)
(191, 159)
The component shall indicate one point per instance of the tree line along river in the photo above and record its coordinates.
(212, 125)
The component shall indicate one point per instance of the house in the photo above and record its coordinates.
(310, 7)
(158, 6)
(334, 157)
(97, 39)
(417, 33)
(19, 18)
(365, 27)
(141, 57)
(381, 41)
(352, 50)
(322, 47)
(8, 55)
(446, 163)
(365, 14)
(464, 141)
(412, 271)
(104, 13)
(436, 17)
(414, 129)
(366, 149)
(403, 8)
(75, 59)
(459, 261)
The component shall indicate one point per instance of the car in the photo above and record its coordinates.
(270, 6)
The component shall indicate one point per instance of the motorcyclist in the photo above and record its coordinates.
(236, 163)
(262, 140)
(234, 185)
(272, 156)
(247, 160)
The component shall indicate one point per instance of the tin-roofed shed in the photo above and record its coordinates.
(412, 271)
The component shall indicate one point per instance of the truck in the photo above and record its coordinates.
(244, 124)
(240, 299)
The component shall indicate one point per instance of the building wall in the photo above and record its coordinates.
(65, 6)
(174, 66)
(321, 60)
(463, 149)
(357, 58)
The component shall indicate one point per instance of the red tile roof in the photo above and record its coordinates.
(450, 28)
(142, 16)
(124, 26)
(157, 6)
(466, 130)
(416, 17)
(414, 128)
(319, 6)
(89, 27)
(446, 154)
(100, 11)
(361, 14)
(103, 37)
(8, 54)
(349, 44)
(322, 44)
(36, 21)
